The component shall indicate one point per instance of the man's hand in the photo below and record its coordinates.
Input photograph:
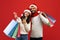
(43, 13)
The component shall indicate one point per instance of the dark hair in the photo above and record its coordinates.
(28, 18)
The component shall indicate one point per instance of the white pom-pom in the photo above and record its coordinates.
(21, 14)
(39, 11)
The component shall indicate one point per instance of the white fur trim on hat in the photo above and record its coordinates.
(32, 5)
(27, 11)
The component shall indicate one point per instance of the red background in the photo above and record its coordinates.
(7, 7)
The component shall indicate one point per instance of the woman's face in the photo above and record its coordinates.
(27, 14)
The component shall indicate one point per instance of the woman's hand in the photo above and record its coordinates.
(24, 21)
(15, 14)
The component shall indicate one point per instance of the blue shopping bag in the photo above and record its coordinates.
(10, 26)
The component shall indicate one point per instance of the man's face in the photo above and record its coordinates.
(33, 9)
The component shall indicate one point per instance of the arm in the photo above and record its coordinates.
(44, 19)
(16, 17)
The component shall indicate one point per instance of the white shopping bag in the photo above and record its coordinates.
(10, 26)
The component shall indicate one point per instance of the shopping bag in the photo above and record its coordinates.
(49, 21)
(9, 27)
(15, 32)
(12, 31)
(18, 34)
(51, 18)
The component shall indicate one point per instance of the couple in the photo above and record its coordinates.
(33, 20)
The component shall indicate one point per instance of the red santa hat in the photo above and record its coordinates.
(26, 11)
(32, 5)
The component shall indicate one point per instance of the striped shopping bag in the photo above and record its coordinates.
(51, 20)
(10, 28)
(15, 32)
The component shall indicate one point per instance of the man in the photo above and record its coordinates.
(37, 17)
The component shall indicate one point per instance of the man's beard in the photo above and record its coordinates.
(33, 11)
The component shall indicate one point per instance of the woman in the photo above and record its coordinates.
(25, 24)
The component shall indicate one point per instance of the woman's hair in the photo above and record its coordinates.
(28, 18)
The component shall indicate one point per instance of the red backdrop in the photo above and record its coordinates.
(7, 7)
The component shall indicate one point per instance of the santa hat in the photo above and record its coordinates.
(27, 11)
(33, 6)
